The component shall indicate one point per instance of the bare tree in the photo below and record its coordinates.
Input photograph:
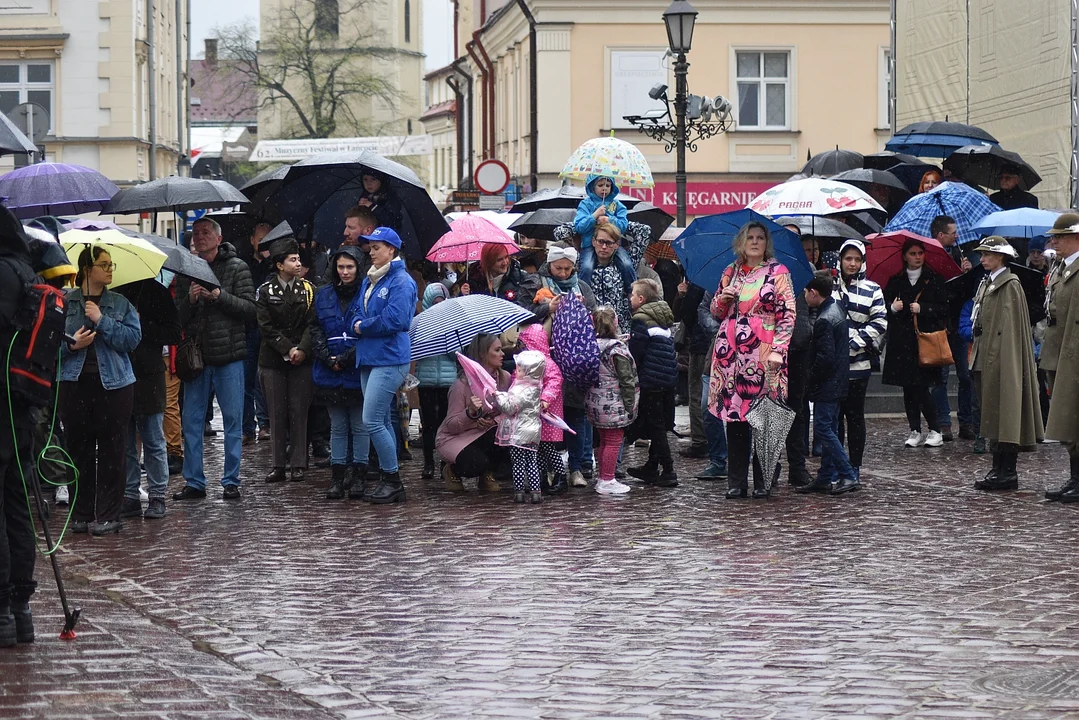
(315, 64)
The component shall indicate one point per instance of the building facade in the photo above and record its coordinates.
(94, 65)
(1006, 67)
(802, 77)
(440, 122)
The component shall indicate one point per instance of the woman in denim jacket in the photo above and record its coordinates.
(97, 389)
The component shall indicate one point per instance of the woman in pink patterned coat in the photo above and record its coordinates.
(534, 337)
(754, 305)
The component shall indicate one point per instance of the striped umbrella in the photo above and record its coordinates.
(452, 324)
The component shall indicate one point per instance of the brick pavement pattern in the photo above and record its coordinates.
(917, 597)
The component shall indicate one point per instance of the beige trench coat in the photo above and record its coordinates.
(1060, 354)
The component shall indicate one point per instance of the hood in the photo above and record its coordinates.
(592, 194)
(353, 252)
(433, 292)
(12, 237)
(534, 337)
(655, 314)
(225, 251)
(47, 256)
(532, 363)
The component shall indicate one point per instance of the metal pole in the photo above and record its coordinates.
(180, 82)
(681, 68)
(151, 89)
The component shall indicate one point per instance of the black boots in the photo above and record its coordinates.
(428, 471)
(276, 475)
(337, 482)
(24, 621)
(1003, 475)
(1070, 492)
(8, 635)
(359, 483)
(390, 490)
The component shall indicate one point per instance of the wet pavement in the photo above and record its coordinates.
(917, 597)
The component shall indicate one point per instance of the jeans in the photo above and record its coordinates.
(713, 430)
(834, 463)
(347, 420)
(965, 413)
(697, 362)
(380, 385)
(255, 413)
(579, 445)
(227, 382)
(156, 458)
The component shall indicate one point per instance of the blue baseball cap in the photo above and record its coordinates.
(384, 235)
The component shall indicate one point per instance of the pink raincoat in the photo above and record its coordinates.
(534, 337)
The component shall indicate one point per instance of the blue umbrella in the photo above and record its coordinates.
(55, 189)
(927, 145)
(1022, 222)
(705, 248)
(451, 324)
(962, 202)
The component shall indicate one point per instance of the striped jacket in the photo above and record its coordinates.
(868, 320)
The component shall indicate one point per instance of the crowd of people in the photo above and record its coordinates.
(308, 350)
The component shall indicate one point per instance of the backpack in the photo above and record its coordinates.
(40, 326)
(573, 343)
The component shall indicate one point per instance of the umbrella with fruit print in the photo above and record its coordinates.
(812, 196)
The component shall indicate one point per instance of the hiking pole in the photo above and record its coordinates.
(71, 617)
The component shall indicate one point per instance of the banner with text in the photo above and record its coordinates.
(702, 198)
(388, 146)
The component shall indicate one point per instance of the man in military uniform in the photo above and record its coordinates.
(1059, 357)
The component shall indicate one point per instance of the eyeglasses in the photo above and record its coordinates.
(107, 267)
(605, 243)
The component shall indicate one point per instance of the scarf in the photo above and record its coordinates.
(495, 281)
(914, 275)
(374, 275)
(563, 287)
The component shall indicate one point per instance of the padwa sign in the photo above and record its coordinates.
(702, 198)
(389, 146)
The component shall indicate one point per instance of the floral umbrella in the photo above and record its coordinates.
(812, 196)
(610, 157)
(466, 238)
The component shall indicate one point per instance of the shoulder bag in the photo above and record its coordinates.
(189, 364)
(933, 348)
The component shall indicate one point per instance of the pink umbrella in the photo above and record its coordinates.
(481, 383)
(466, 238)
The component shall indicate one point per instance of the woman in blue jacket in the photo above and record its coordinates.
(97, 391)
(337, 379)
(435, 374)
(380, 320)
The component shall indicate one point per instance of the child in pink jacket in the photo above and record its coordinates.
(534, 337)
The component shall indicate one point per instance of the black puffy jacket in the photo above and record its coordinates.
(831, 355)
(224, 338)
(652, 346)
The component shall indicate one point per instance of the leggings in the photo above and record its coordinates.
(918, 401)
(852, 409)
(550, 460)
(525, 470)
(610, 446)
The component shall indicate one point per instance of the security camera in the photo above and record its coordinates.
(658, 91)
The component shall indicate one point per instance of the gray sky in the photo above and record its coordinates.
(437, 25)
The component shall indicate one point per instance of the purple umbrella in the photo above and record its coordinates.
(55, 189)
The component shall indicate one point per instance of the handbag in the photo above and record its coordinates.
(933, 347)
(189, 364)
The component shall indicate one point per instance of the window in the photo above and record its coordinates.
(327, 15)
(884, 89)
(763, 90)
(408, 21)
(26, 82)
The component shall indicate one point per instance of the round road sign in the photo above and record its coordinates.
(491, 176)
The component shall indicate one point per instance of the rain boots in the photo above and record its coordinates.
(24, 621)
(1003, 475)
(337, 482)
(1070, 492)
(428, 471)
(390, 489)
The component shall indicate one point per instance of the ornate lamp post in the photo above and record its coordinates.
(695, 117)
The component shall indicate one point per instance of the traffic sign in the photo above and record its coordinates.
(491, 176)
(492, 202)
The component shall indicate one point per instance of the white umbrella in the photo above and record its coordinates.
(812, 196)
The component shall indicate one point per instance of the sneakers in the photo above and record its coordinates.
(155, 510)
(576, 479)
(611, 487)
(62, 496)
(934, 439)
(131, 507)
(713, 472)
(914, 439)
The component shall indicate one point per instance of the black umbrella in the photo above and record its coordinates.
(566, 196)
(180, 260)
(982, 165)
(887, 184)
(864, 222)
(829, 163)
(656, 218)
(318, 191)
(540, 224)
(911, 174)
(12, 139)
(963, 288)
(281, 230)
(236, 227)
(821, 227)
(947, 128)
(259, 189)
(174, 194)
(885, 160)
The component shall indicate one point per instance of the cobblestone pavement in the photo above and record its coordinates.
(916, 597)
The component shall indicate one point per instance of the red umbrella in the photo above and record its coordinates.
(884, 257)
(466, 238)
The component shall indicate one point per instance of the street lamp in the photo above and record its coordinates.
(695, 117)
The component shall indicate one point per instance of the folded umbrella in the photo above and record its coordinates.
(452, 324)
(812, 196)
(55, 189)
(982, 165)
(884, 256)
(135, 258)
(540, 224)
(467, 238)
(705, 248)
(962, 202)
(566, 197)
(174, 194)
(829, 163)
(771, 420)
(1021, 222)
